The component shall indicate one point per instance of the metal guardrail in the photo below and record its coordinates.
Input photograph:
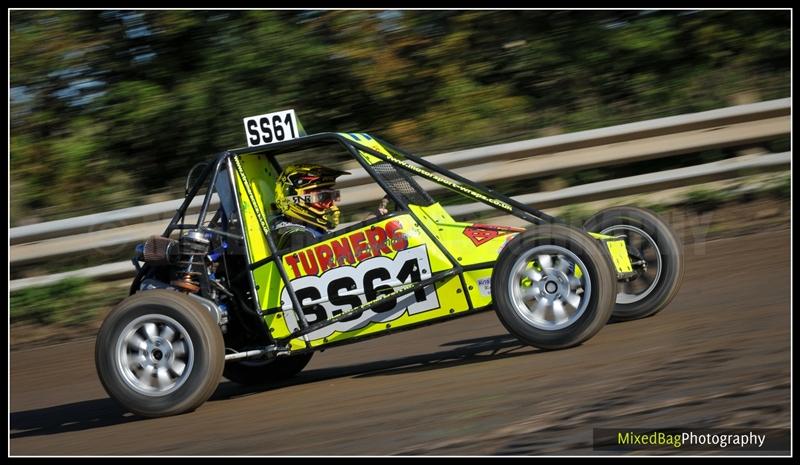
(592, 191)
(706, 122)
(107, 271)
(600, 147)
(642, 183)
(97, 221)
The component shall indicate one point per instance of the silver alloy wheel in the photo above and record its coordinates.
(642, 286)
(154, 355)
(544, 289)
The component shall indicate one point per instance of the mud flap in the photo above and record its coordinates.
(618, 251)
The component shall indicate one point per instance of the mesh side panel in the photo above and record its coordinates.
(403, 184)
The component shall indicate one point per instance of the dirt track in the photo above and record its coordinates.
(718, 356)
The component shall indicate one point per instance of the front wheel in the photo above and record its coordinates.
(159, 353)
(657, 255)
(552, 287)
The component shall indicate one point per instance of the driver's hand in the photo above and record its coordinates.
(382, 210)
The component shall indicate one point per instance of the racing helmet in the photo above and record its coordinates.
(305, 192)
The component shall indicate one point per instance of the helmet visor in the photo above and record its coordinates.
(319, 198)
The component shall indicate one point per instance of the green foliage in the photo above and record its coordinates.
(781, 188)
(574, 215)
(108, 106)
(703, 199)
(657, 207)
(783, 144)
(69, 302)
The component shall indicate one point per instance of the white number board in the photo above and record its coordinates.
(270, 128)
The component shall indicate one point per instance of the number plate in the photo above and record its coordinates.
(270, 128)
(347, 287)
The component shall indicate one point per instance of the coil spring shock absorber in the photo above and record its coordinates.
(193, 250)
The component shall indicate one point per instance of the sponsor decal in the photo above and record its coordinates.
(480, 234)
(349, 249)
(440, 180)
(485, 286)
(341, 289)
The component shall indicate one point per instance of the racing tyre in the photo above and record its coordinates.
(552, 287)
(651, 242)
(256, 372)
(159, 353)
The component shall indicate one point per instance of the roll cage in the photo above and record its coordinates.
(391, 169)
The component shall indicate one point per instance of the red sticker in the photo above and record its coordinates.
(480, 234)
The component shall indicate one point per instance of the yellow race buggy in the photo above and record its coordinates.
(213, 294)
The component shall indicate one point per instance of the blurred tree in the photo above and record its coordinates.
(55, 141)
(107, 106)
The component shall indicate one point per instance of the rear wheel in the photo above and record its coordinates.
(658, 251)
(159, 353)
(255, 372)
(552, 287)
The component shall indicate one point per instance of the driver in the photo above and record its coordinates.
(306, 198)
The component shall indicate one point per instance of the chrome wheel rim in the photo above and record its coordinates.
(545, 289)
(642, 286)
(154, 355)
